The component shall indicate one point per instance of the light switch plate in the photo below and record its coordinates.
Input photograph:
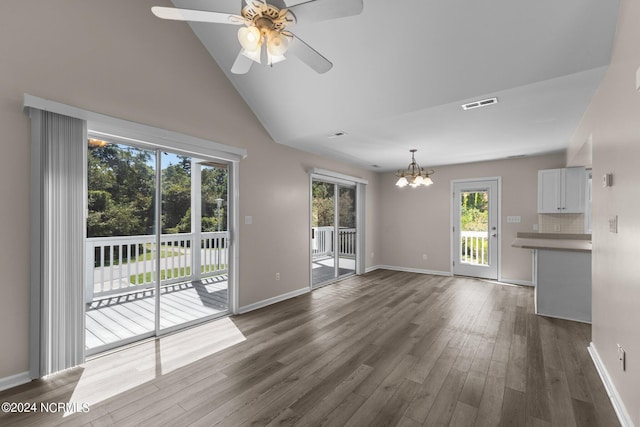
(613, 224)
(248, 220)
(516, 219)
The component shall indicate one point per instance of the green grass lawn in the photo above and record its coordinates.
(165, 251)
(141, 278)
(148, 255)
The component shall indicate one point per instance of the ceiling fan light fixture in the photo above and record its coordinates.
(250, 38)
(254, 55)
(274, 59)
(277, 44)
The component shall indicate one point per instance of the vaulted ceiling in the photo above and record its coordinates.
(403, 68)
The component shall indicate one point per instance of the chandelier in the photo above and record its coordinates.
(414, 175)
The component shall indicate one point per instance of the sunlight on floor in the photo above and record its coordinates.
(116, 373)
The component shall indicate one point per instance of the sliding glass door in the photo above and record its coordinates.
(157, 246)
(120, 245)
(333, 231)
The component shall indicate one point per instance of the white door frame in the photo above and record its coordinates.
(498, 222)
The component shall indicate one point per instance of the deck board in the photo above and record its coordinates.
(123, 317)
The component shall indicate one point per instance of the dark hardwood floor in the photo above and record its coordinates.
(385, 348)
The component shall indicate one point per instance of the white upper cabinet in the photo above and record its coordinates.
(561, 190)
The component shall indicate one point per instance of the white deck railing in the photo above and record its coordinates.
(474, 247)
(121, 264)
(323, 241)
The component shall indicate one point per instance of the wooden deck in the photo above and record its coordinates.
(323, 268)
(123, 317)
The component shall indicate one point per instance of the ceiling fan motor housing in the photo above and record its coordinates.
(264, 15)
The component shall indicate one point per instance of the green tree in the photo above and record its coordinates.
(323, 209)
(474, 214)
(120, 191)
(176, 197)
(214, 186)
(347, 208)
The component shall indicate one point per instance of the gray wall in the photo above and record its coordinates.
(114, 57)
(611, 129)
(416, 221)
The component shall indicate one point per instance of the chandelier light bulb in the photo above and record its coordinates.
(249, 38)
(402, 182)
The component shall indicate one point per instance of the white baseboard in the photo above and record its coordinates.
(413, 270)
(372, 268)
(269, 301)
(618, 406)
(518, 282)
(440, 273)
(14, 380)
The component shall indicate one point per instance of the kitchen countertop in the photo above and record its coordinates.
(553, 241)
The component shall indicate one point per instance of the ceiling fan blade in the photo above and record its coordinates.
(309, 55)
(322, 10)
(242, 64)
(196, 15)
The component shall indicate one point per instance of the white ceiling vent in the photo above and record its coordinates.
(481, 103)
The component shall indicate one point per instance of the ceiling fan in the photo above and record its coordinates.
(264, 35)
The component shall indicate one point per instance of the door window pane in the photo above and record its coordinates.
(322, 232)
(474, 227)
(347, 231)
(193, 263)
(120, 244)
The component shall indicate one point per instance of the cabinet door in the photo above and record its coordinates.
(549, 183)
(573, 192)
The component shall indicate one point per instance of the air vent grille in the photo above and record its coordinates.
(481, 103)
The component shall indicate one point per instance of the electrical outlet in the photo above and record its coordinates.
(277, 276)
(556, 227)
(424, 257)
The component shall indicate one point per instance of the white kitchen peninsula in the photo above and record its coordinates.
(562, 273)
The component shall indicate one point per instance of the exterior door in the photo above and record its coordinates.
(475, 228)
(157, 243)
(333, 231)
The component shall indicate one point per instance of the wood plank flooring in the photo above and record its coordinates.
(385, 348)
